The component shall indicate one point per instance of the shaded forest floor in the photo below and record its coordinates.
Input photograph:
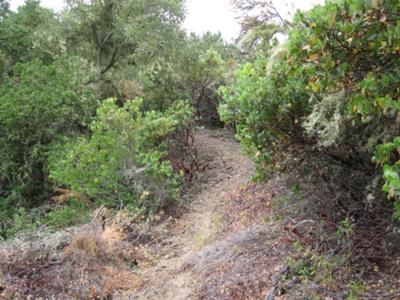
(227, 243)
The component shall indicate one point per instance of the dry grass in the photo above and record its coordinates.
(94, 263)
(125, 280)
(83, 242)
(130, 89)
(62, 196)
(97, 243)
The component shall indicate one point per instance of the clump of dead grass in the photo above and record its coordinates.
(97, 244)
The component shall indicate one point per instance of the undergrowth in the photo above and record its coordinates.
(53, 218)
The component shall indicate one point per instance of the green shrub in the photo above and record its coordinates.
(332, 89)
(20, 221)
(193, 69)
(31, 33)
(70, 214)
(351, 49)
(123, 162)
(207, 74)
(386, 156)
(267, 102)
(38, 103)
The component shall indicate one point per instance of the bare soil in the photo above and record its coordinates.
(226, 246)
(193, 244)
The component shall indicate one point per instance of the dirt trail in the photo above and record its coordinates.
(218, 246)
(173, 276)
(231, 242)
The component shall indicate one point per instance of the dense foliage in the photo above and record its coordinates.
(122, 163)
(70, 130)
(38, 103)
(331, 89)
(32, 33)
(57, 70)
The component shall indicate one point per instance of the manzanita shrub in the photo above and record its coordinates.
(332, 86)
(354, 47)
(123, 162)
(267, 103)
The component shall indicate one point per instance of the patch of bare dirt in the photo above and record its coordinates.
(174, 275)
(243, 263)
(226, 246)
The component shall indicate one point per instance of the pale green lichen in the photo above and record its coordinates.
(327, 121)
(276, 57)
